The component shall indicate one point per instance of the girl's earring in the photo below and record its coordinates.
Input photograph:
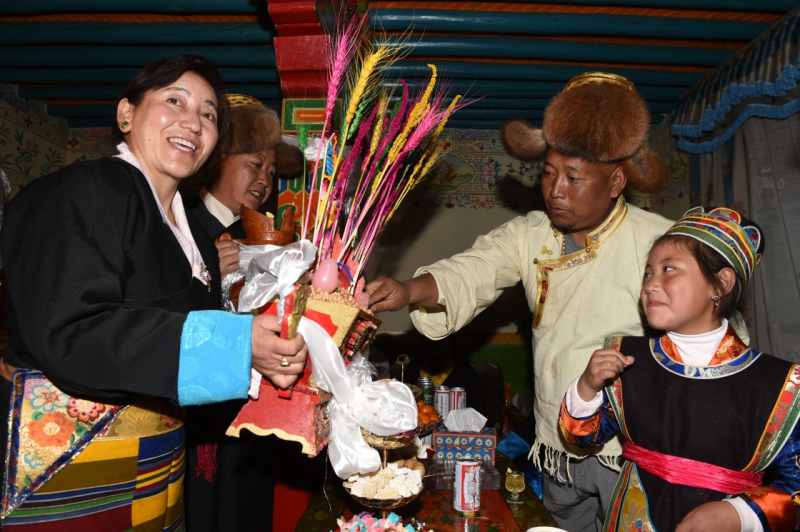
(715, 299)
(123, 126)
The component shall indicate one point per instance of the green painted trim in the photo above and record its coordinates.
(113, 33)
(494, 113)
(121, 75)
(527, 48)
(137, 56)
(112, 92)
(102, 112)
(435, 20)
(289, 104)
(128, 6)
(451, 69)
(515, 88)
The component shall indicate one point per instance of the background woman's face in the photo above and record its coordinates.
(249, 178)
(173, 130)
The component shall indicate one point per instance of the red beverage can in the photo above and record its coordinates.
(441, 400)
(467, 487)
(458, 398)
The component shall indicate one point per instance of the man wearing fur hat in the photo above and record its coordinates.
(581, 263)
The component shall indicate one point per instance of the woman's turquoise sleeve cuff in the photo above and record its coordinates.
(215, 357)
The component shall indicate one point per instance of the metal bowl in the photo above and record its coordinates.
(383, 504)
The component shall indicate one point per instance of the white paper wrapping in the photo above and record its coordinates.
(268, 271)
(271, 270)
(383, 407)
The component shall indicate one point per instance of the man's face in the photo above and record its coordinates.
(578, 194)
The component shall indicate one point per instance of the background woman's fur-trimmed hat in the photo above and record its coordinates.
(255, 128)
(600, 118)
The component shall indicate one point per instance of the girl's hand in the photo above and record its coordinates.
(718, 516)
(605, 365)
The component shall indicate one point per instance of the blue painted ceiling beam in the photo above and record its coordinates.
(507, 114)
(104, 111)
(48, 74)
(247, 6)
(449, 69)
(733, 5)
(527, 48)
(127, 6)
(526, 89)
(112, 33)
(114, 56)
(436, 20)
(112, 92)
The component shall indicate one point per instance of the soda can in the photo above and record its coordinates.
(426, 384)
(441, 400)
(467, 487)
(458, 398)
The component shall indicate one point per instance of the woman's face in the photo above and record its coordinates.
(247, 179)
(675, 294)
(173, 130)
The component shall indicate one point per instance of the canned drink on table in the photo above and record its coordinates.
(467, 487)
(441, 400)
(426, 384)
(458, 398)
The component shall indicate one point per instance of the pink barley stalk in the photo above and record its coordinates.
(344, 172)
(346, 44)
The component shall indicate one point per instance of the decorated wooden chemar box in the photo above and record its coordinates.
(299, 413)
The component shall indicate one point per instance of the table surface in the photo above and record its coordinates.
(435, 509)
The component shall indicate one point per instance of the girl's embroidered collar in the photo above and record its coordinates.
(737, 355)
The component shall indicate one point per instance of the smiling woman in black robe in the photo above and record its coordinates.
(108, 332)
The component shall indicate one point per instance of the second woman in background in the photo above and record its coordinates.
(231, 480)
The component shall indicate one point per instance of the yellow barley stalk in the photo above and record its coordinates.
(364, 83)
(417, 112)
(448, 113)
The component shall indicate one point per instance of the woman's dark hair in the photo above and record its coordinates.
(161, 73)
(710, 263)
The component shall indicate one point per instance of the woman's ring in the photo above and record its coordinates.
(284, 362)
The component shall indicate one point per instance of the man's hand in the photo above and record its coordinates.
(386, 293)
(604, 365)
(228, 252)
(718, 516)
(280, 360)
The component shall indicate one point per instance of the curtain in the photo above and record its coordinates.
(758, 173)
(762, 80)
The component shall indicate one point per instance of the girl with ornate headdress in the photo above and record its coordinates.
(708, 424)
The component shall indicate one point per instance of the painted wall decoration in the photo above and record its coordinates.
(477, 163)
(31, 142)
(469, 173)
(88, 143)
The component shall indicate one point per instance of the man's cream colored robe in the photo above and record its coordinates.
(577, 300)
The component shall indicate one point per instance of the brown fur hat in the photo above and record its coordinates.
(598, 117)
(255, 128)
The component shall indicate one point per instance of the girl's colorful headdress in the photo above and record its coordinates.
(722, 230)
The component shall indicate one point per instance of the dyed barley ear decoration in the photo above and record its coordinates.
(379, 154)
